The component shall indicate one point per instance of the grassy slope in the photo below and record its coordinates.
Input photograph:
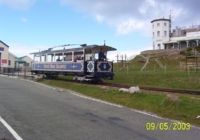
(185, 108)
(173, 77)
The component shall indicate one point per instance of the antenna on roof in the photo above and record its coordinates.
(83, 45)
(170, 14)
(67, 45)
(170, 22)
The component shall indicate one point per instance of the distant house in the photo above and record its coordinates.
(4, 54)
(24, 61)
(12, 60)
(9, 62)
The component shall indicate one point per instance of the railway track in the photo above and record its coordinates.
(169, 90)
(158, 89)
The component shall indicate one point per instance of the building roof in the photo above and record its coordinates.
(11, 54)
(160, 19)
(4, 44)
(86, 48)
(179, 39)
(23, 57)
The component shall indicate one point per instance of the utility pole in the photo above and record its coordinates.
(117, 60)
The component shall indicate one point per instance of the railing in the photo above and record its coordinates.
(25, 71)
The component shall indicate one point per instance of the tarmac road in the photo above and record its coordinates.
(37, 112)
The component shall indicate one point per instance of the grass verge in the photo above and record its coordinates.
(184, 108)
(174, 76)
(168, 79)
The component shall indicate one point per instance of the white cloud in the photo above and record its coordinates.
(127, 16)
(24, 20)
(144, 8)
(20, 49)
(129, 26)
(99, 18)
(18, 4)
(130, 54)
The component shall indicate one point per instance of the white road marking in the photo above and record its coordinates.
(145, 113)
(10, 129)
(76, 94)
(93, 99)
(121, 106)
(3, 75)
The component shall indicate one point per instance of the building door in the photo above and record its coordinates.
(159, 46)
(0, 63)
(0, 60)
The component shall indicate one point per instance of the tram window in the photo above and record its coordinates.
(68, 57)
(78, 56)
(58, 59)
(96, 56)
(89, 57)
(102, 56)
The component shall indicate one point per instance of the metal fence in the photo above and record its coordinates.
(20, 72)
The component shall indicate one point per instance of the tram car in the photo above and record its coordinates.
(86, 62)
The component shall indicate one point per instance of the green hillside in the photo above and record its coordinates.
(173, 74)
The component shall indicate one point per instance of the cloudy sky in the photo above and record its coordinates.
(29, 25)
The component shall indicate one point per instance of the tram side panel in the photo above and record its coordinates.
(90, 69)
(58, 67)
(100, 69)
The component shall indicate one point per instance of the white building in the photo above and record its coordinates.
(183, 38)
(24, 61)
(9, 61)
(12, 60)
(4, 54)
(160, 32)
(178, 38)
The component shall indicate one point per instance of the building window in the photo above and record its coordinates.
(9, 62)
(158, 33)
(153, 34)
(1, 49)
(165, 33)
(158, 24)
(4, 61)
(165, 24)
(26, 64)
(158, 46)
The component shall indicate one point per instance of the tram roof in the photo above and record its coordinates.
(86, 48)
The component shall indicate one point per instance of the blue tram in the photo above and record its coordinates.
(87, 62)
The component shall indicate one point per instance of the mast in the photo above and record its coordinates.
(170, 23)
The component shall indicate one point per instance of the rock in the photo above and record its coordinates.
(124, 90)
(134, 89)
(60, 90)
(131, 90)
